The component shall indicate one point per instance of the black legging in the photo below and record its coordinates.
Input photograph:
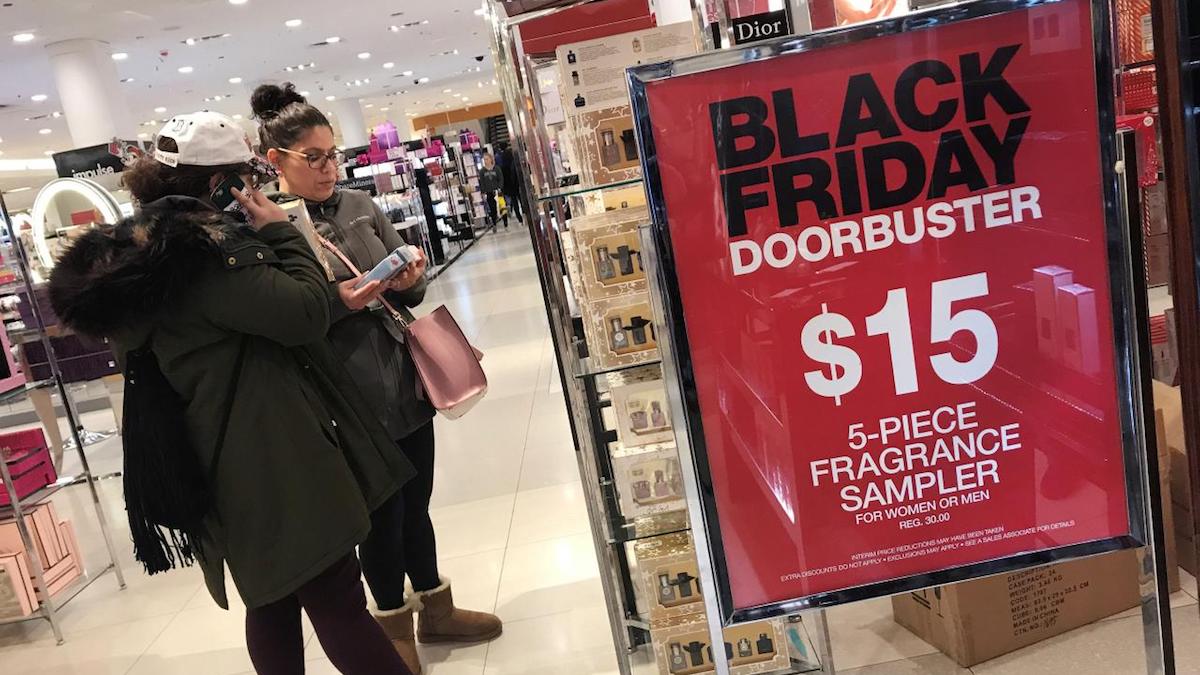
(337, 607)
(402, 540)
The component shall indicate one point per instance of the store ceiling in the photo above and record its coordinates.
(436, 40)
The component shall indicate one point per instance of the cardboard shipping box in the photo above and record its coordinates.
(977, 620)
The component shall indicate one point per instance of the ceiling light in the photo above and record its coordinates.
(127, 80)
(423, 80)
(45, 132)
(143, 135)
(218, 97)
(21, 38)
(466, 98)
(237, 117)
(407, 73)
(384, 109)
(293, 23)
(238, 2)
(479, 84)
(48, 153)
(1, 152)
(160, 110)
(120, 56)
(16, 190)
(330, 98)
(191, 42)
(38, 98)
(187, 70)
(235, 80)
(304, 94)
(447, 91)
(389, 65)
(332, 40)
(394, 29)
(56, 114)
(364, 55)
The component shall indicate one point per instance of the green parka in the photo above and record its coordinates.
(304, 461)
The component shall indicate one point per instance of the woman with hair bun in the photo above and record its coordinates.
(298, 140)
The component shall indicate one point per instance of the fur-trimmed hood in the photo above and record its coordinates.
(116, 280)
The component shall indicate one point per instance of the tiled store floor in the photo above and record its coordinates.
(512, 534)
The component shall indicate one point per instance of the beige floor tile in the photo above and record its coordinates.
(473, 527)
(549, 513)
(547, 577)
(110, 650)
(575, 641)
(863, 634)
(932, 664)
(210, 641)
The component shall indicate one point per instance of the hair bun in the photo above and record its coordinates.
(269, 100)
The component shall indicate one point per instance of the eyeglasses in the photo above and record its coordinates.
(317, 161)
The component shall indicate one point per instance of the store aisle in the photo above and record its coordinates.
(512, 526)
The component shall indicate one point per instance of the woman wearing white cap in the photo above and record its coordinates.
(246, 445)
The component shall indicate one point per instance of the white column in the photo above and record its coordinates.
(353, 123)
(90, 92)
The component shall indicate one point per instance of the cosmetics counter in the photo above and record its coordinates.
(573, 132)
(428, 187)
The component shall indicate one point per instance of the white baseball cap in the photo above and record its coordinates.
(204, 139)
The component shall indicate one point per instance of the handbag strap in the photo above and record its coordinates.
(355, 271)
(228, 411)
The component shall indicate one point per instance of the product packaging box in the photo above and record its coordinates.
(620, 330)
(977, 620)
(17, 594)
(1046, 282)
(1168, 401)
(669, 576)
(683, 647)
(648, 480)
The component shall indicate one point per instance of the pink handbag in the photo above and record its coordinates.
(447, 365)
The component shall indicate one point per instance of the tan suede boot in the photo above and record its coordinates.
(398, 626)
(441, 621)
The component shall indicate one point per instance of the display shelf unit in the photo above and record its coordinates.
(549, 207)
(49, 606)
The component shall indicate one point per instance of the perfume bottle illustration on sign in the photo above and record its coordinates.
(604, 264)
(744, 649)
(580, 101)
(619, 340)
(637, 45)
(765, 644)
(662, 489)
(666, 591)
(624, 258)
(609, 154)
(683, 584)
(677, 660)
(639, 329)
(575, 77)
(658, 420)
(629, 143)
(641, 491)
(638, 420)
(571, 57)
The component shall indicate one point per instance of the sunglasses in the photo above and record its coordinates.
(318, 160)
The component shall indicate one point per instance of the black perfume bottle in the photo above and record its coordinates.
(638, 326)
(696, 651)
(580, 101)
(629, 144)
(683, 582)
(624, 258)
(571, 57)
(575, 77)
(765, 644)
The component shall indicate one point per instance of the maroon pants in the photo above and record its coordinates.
(337, 607)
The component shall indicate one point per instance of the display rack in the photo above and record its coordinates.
(551, 199)
(49, 607)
